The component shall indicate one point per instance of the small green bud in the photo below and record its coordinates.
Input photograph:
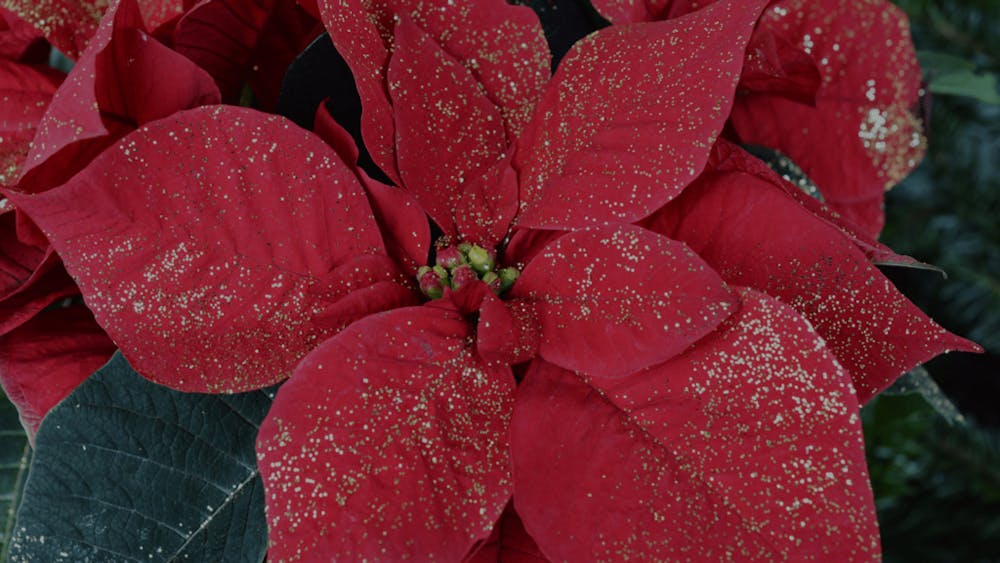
(507, 278)
(463, 276)
(430, 284)
(450, 257)
(480, 259)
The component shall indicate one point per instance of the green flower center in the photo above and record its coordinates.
(461, 265)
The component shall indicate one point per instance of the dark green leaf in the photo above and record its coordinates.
(127, 470)
(918, 381)
(15, 455)
(982, 87)
(935, 62)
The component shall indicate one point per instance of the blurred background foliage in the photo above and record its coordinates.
(937, 484)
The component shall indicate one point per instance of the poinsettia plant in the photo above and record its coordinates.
(525, 291)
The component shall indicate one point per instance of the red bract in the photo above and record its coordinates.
(43, 356)
(245, 43)
(700, 457)
(114, 87)
(863, 135)
(70, 24)
(853, 127)
(501, 46)
(210, 273)
(755, 232)
(27, 87)
(44, 359)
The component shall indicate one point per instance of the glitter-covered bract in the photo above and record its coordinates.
(204, 253)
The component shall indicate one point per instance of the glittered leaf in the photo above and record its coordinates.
(630, 117)
(862, 137)
(447, 131)
(798, 185)
(70, 24)
(199, 240)
(508, 330)
(629, 11)
(388, 442)
(402, 221)
(746, 447)
(116, 86)
(25, 92)
(44, 359)
(754, 233)
(502, 45)
(127, 470)
(613, 301)
(487, 205)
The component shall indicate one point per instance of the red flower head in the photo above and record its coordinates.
(558, 370)
(842, 109)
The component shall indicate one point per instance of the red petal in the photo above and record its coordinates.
(403, 223)
(862, 136)
(502, 45)
(525, 244)
(508, 331)
(231, 40)
(46, 358)
(116, 86)
(630, 117)
(747, 447)
(729, 156)
(202, 270)
(447, 131)
(291, 30)
(487, 206)
(19, 41)
(27, 91)
(613, 301)
(47, 284)
(31, 277)
(754, 233)
(630, 11)
(776, 66)
(388, 442)
(70, 24)
(360, 286)
(18, 261)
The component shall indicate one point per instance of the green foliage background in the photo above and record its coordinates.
(937, 486)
